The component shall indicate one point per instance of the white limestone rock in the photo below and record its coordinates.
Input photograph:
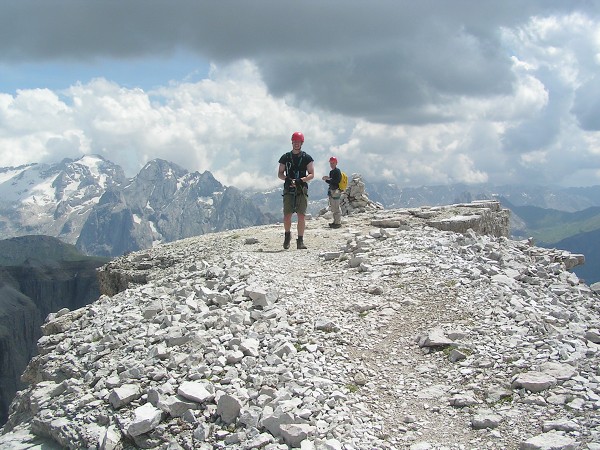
(435, 338)
(486, 419)
(110, 439)
(533, 381)
(250, 347)
(272, 420)
(552, 440)
(334, 349)
(293, 434)
(228, 408)
(124, 395)
(561, 372)
(593, 335)
(146, 418)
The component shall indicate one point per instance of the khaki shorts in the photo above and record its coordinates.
(296, 205)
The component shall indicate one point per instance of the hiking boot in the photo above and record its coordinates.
(300, 244)
(286, 241)
(335, 225)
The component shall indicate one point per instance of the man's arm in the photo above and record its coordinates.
(281, 172)
(311, 172)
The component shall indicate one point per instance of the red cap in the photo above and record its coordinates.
(333, 159)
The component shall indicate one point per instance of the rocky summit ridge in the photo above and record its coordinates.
(423, 328)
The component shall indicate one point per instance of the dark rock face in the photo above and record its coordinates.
(58, 285)
(108, 229)
(29, 291)
(17, 343)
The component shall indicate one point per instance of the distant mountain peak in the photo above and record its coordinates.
(160, 169)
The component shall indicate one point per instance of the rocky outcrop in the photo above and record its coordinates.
(483, 217)
(114, 277)
(388, 333)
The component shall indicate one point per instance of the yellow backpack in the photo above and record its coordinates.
(343, 182)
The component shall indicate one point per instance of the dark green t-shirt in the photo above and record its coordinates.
(295, 165)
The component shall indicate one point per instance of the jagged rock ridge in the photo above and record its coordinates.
(386, 334)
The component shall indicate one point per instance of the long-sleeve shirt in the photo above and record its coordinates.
(335, 176)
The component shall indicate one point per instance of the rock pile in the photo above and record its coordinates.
(355, 198)
(388, 334)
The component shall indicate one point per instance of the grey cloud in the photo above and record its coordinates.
(587, 105)
(387, 61)
(399, 81)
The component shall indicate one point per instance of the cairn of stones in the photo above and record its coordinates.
(355, 198)
(423, 328)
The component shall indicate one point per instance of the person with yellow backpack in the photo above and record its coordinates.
(337, 181)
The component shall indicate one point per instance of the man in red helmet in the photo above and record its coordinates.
(295, 168)
(334, 193)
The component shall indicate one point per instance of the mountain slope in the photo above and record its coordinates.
(565, 199)
(576, 232)
(54, 199)
(89, 203)
(587, 244)
(16, 251)
(549, 226)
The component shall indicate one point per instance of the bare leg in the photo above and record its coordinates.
(287, 225)
(287, 222)
(301, 224)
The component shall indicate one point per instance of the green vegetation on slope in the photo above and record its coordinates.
(548, 226)
(587, 244)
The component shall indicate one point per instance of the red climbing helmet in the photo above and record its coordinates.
(333, 159)
(297, 136)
